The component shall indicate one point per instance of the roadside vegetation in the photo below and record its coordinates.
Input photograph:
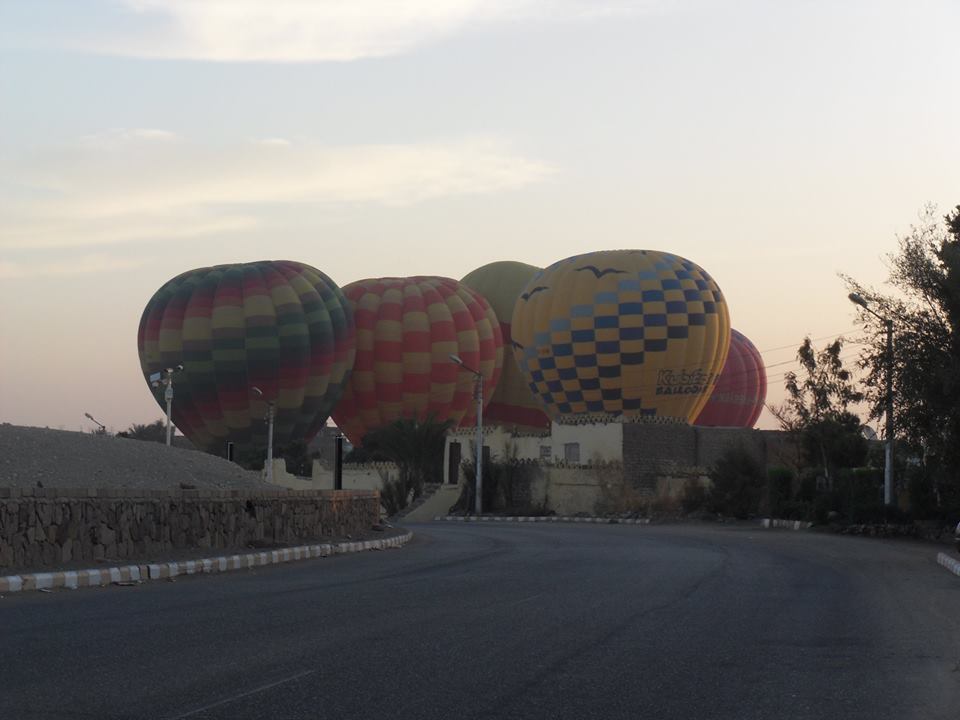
(416, 448)
(839, 474)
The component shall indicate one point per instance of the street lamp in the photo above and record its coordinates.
(478, 391)
(270, 413)
(103, 428)
(167, 376)
(858, 299)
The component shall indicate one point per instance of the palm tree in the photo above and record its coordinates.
(415, 447)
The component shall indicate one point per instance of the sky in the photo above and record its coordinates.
(774, 144)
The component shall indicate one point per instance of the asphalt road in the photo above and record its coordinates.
(518, 621)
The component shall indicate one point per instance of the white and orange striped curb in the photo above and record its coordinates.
(788, 524)
(543, 518)
(951, 564)
(73, 579)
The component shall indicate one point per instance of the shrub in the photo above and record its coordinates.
(506, 485)
(394, 493)
(779, 490)
(694, 497)
(738, 483)
(153, 432)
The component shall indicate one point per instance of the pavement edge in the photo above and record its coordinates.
(949, 563)
(542, 518)
(133, 574)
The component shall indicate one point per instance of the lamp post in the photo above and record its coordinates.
(102, 428)
(858, 299)
(478, 392)
(167, 380)
(270, 413)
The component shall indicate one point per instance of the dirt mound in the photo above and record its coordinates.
(57, 458)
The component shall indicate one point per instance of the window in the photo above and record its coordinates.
(571, 452)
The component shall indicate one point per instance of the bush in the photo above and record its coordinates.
(694, 497)
(779, 490)
(738, 484)
(506, 485)
(154, 432)
(797, 510)
(394, 493)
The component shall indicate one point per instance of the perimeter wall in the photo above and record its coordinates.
(47, 526)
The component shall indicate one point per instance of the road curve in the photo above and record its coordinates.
(510, 621)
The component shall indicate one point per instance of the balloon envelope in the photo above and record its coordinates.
(741, 390)
(407, 328)
(280, 326)
(637, 333)
(512, 404)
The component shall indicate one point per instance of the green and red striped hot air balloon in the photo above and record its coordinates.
(280, 326)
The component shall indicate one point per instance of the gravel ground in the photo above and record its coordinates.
(58, 458)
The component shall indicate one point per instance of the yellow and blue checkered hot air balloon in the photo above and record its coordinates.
(633, 333)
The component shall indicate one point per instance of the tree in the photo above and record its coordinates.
(416, 447)
(153, 432)
(925, 272)
(816, 409)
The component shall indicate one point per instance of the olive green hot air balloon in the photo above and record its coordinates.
(513, 404)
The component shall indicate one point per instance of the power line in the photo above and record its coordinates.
(822, 337)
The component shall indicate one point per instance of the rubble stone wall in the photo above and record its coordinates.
(653, 451)
(41, 527)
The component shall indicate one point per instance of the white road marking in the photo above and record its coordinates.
(248, 693)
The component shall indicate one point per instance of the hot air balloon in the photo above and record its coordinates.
(633, 333)
(741, 390)
(512, 404)
(280, 326)
(407, 328)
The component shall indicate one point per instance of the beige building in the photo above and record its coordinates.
(588, 466)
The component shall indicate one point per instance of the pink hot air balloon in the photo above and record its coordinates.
(741, 389)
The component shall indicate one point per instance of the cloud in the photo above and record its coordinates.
(326, 30)
(86, 265)
(136, 185)
(118, 136)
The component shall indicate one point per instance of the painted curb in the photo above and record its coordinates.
(542, 518)
(951, 564)
(99, 577)
(788, 524)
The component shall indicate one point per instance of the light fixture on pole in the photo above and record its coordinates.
(102, 428)
(270, 414)
(858, 299)
(478, 392)
(166, 377)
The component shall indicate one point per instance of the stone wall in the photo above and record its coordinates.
(654, 451)
(45, 526)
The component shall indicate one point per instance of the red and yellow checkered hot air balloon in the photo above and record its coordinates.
(513, 404)
(407, 328)
(280, 326)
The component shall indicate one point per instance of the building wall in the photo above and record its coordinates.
(597, 442)
(650, 459)
(366, 476)
(652, 452)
